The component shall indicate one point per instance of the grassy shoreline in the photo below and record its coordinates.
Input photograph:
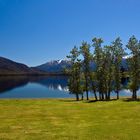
(66, 119)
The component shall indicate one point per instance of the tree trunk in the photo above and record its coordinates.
(117, 94)
(77, 97)
(87, 95)
(82, 98)
(100, 98)
(108, 95)
(96, 98)
(134, 95)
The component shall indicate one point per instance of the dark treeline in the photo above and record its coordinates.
(108, 72)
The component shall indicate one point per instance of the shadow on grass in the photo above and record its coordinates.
(131, 100)
(87, 101)
(94, 101)
(91, 101)
(80, 100)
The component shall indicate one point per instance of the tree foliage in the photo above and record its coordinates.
(108, 72)
(134, 65)
(75, 73)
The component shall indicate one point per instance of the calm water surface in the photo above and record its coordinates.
(39, 87)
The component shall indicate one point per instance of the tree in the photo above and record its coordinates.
(74, 82)
(98, 59)
(134, 65)
(93, 85)
(85, 51)
(118, 53)
(108, 71)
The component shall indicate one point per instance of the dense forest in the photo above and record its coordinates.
(108, 73)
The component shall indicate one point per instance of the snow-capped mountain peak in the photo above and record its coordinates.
(55, 65)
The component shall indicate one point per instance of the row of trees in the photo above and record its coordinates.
(108, 72)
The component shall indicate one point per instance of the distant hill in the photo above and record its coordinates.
(10, 67)
(56, 66)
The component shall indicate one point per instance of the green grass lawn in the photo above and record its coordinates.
(64, 119)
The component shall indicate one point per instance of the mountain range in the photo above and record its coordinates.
(58, 66)
(10, 67)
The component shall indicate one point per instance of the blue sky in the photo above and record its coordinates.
(36, 31)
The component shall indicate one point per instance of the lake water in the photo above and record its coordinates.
(39, 87)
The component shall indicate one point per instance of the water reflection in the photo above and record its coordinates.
(42, 87)
(8, 83)
(54, 82)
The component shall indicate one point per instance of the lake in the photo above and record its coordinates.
(39, 87)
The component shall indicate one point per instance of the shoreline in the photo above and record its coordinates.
(73, 99)
(46, 74)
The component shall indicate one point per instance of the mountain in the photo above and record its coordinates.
(53, 67)
(10, 67)
(56, 66)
